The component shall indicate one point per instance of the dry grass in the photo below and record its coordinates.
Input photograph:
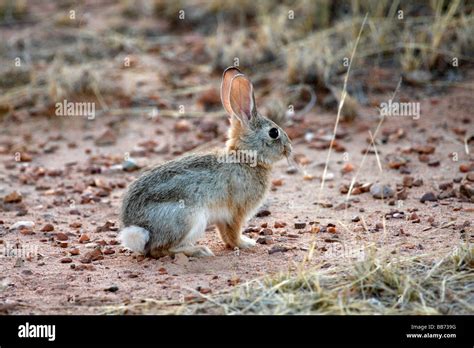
(312, 40)
(313, 47)
(306, 40)
(379, 284)
(12, 10)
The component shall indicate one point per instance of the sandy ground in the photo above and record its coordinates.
(71, 187)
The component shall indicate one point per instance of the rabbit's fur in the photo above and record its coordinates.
(169, 207)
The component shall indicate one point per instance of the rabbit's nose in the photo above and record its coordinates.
(287, 150)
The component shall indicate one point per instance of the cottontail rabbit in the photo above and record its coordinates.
(168, 208)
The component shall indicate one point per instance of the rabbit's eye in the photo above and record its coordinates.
(274, 133)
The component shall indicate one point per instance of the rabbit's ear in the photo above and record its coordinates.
(242, 100)
(227, 77)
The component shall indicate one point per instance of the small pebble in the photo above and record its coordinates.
(263, 213)
(300, 225)
(265, 240)
(130, 165)
(418, 183)
(47, 228)
(279, 224)
(428, 197)
(113, 288)
(22, 225)
(277, 182)
(109, 251)
(84, 238)
(347, 168)
(61, 236)
(266, 232)
(278, 249)
(182, 126)
(75, 224)
(14, 197)
(378, 191)
(466, 167)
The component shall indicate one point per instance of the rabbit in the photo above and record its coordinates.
(169, 207)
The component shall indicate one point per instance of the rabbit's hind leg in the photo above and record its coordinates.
(186, 246)
(192, 250)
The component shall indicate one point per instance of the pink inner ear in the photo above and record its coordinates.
(241, 97)
(227, 77)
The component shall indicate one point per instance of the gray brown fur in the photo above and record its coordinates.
(170, 199)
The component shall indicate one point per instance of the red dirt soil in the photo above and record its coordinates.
(61, 186)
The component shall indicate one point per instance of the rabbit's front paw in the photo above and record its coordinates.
(246, 242)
